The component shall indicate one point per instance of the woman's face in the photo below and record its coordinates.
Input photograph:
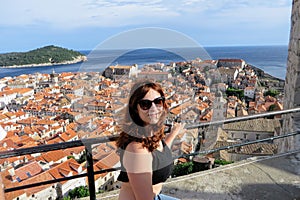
(153, 114)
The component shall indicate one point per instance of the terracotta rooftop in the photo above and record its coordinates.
(27, 171)
(53, 155)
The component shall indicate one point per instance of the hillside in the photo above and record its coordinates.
(269, 81)
(48, 55)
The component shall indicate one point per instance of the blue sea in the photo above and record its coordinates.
(271, 59)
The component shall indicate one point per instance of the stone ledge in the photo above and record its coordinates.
(276, 177)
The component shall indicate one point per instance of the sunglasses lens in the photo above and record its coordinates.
(158, 101)
(146, 104)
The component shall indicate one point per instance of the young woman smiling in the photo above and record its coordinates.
(146, 158)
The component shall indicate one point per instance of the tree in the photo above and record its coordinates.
(222, 162)
(271, 92)
(235, 92)
(182, 169)
(82, 158)
(79, 192)
(272, 107)
(69, 157)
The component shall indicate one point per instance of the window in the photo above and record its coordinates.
(28, 174)
(18, 179)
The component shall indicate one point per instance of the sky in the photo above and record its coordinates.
(84, 24)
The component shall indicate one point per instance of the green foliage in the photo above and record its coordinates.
(271, 92)
(182, 169)
(235, 92)
(101, 191)
(69, 157)
(67, 198)
(82, 158)
(48, 54)
(222, 162)
(190, 167)
(79, 192)
(272, 107)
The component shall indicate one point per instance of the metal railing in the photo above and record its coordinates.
(89, 142)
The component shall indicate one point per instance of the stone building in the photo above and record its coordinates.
(292, 83)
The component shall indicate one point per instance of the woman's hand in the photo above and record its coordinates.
(176, 129)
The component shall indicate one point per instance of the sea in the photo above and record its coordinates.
(271, 59)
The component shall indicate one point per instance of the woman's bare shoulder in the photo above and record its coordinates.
(137, 159)
(136, 147)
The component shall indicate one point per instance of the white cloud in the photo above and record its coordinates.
(66, 14)
(220, 6)
(80, 13)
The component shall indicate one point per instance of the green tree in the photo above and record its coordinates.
(271, 92)
(222, 162)
(182, 169)
(79, 192)
(272, 107)
(82, 158)
(69, 157)
(235, 92)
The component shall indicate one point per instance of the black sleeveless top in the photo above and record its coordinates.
(162, 165)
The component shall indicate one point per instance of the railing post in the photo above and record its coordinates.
(90, 171)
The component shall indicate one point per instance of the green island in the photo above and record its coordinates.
(45, 56)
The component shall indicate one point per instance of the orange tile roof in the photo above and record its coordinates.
(68, 135)
(76, 150)
(28, 171)
(53, 155)
(110, 160)
(66, 168)
(54, 140)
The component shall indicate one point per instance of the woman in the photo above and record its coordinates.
(145, 155)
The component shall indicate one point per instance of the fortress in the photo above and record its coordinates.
(291, 122)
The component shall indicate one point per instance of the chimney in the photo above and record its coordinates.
(11, 171)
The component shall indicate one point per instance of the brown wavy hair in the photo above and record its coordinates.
(133, 127)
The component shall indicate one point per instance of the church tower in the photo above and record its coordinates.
(291, 122)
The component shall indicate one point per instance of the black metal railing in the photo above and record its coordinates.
(89, 142)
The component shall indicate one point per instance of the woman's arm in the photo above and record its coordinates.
(176, 129)
(138, 163)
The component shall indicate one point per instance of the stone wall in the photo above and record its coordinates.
(292, 83)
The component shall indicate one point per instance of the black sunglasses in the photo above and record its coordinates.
(146, 104)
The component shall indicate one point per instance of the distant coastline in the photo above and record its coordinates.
(262, 74)
(78, 59)
(271, 60)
